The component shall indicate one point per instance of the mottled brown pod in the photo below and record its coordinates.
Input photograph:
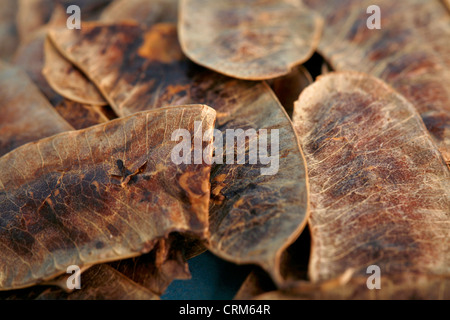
(253, 217)
(410, 51)
(250, 39)
(25, 113)
(105, 193)
(379, 188)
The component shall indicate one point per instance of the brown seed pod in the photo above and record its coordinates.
(157, 269)
(410, 52)
(105, 193)
(253, 217)
(446, 3)
(250, 39)
(287, 88)
(67, 80)
(379, 188)
(82, 116)
(101, 282)
(25, 113)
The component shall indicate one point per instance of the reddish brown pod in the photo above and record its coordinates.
(379, 188)
(250, 39)
(100, 194)
(410, 51)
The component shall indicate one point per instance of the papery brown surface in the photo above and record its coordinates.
(250, 39)
(101, 282)
(400, 287)
(287, 88)
(82, 116)
(411, 52)
(157, 269)
(30, 57)
(26, 115)
(253, 217)
(67, 81)
(144, 12)
(379, 188)
(105, 193)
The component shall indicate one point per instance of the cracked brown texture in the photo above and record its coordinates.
(410, 52)
(144, 12)
(253, 218)
(105, 193)
(250, 39)
(379, 188)
(67, 81)
(25, 113)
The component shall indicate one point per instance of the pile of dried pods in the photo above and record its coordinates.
(341, 128)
